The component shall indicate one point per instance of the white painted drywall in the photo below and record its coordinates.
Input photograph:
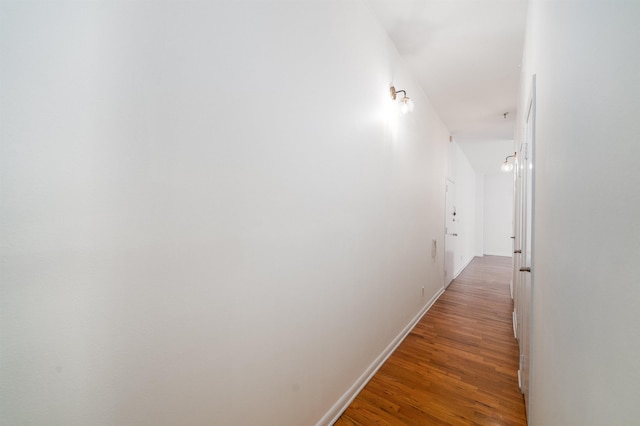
(465, 211)
(498, 214)
(586, 297)
(479, 240)
(487, 156)
(209, 214)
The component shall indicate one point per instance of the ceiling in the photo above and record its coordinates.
(466, 55)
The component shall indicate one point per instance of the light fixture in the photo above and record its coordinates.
(406, 104)
(507, 166)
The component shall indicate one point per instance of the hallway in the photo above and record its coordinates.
(227, 212)
(458, 365)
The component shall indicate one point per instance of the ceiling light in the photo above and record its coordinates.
(406, 104)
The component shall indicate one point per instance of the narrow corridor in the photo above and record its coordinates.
(458, 365)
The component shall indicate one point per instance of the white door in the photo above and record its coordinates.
(525, 297)
(450, 231)
(517, 249)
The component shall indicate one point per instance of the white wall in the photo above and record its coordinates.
(465, 211)
(586, 326)
(479, 240)
(498, 214)
(209, 214)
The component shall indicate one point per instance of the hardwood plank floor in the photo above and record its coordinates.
(458, 366)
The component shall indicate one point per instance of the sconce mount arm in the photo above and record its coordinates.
(395, 92)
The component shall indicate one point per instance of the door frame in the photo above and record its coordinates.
(525, 239)
(448, 183)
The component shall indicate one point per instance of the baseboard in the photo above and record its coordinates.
(520, 380)
(342, 404)
(505, 254)
(463, 266)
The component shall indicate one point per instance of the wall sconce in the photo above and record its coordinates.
(406, 104)
(507, 166)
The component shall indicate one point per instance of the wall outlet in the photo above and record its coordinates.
(434, 248)
(422, 290)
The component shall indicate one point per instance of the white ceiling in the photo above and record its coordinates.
(466, 55)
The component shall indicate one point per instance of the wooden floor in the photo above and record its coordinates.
(459, 364)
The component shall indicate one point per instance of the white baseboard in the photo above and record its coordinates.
(459, 271)
(505, 254)
(342, 404)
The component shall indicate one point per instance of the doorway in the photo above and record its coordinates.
(524, 239)
(450, 231)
